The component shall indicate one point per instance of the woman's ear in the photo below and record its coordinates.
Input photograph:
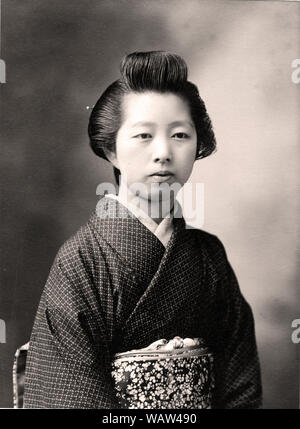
(112, 157)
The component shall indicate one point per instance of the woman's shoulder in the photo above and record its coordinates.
(204, 235)
(76, 269)
(77, 265)
(81, 246)
(208, 240)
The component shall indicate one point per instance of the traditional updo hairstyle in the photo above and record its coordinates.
(148, 71)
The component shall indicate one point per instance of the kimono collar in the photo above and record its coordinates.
(163, 230)
(137, 246)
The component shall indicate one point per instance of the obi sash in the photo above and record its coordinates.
(175, 374)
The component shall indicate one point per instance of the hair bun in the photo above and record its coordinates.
(159, 70)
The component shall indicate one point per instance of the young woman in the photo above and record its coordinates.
(139, 310)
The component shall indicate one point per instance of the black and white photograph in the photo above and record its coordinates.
(149, 206)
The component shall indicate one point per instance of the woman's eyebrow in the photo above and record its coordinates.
(179, 123)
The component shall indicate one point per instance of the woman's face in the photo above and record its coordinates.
(156, 142)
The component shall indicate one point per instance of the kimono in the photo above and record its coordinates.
(114, 287)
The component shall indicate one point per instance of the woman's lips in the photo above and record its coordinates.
(158, 178)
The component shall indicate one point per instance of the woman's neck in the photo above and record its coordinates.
(157, 210)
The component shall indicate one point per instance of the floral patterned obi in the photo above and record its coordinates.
(167, 374)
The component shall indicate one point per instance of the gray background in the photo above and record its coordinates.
(61, 55)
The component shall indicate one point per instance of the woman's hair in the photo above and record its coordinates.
(158, 71)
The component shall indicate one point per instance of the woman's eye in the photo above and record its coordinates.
(181, 136)
(143, 136)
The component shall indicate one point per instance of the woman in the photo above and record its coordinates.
(135, 284)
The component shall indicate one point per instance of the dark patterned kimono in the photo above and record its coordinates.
(114, 287)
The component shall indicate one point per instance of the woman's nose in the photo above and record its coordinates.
(161, 150)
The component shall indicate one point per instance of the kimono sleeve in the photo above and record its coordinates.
(68, 364)
(239, 377)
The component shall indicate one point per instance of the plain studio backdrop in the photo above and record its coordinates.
(60, 56)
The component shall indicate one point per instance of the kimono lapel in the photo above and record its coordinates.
(174, 289)
(160, 282)
(139, 249)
